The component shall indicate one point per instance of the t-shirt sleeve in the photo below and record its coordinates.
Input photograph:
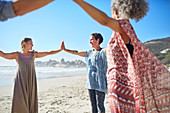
(86, 55)
(6, 10)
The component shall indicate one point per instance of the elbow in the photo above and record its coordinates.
(104, 22)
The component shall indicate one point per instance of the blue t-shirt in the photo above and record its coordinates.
(96, 68)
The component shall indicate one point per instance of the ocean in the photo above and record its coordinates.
(7, 73)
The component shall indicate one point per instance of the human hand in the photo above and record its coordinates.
(62, 46)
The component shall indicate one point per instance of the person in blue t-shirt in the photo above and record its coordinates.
(96, 68)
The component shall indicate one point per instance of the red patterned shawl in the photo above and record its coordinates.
(139, 84)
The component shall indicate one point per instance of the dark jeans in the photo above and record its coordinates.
(97, 101)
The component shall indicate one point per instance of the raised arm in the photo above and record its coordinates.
(99, 16)
(9, 56)
(10, 9)
(75, 52)
(43, 54)
(22, 7)
(102, 18)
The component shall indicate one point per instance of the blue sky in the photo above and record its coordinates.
(65, 20)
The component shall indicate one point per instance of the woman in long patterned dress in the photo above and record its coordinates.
(137, 81)
(25, 99)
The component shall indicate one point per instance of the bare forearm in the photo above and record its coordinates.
(43, 54)
(54, 52)
(22, 7)
(99, 16)
(95, 13)
(75, 52)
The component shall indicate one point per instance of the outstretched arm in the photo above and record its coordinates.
(99, 16)
(22, 7)
(75, 52)
(9, 56)
(43, 54)
(102, 18)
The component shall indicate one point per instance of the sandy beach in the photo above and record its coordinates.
(56, 95)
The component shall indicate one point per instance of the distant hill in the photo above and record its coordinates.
(161, 48)
(158, 45)
(62, 63)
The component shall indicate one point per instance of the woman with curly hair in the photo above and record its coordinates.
(137, 80)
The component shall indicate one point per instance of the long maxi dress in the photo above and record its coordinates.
(25, 98)
(136, 84)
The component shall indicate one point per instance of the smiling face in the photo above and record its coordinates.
(28, 45)
(94, 43)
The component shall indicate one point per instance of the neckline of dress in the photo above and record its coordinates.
(25, 59)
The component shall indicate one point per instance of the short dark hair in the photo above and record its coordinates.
(98, 36)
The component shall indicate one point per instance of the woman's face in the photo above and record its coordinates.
(29, 45)
(93, 42)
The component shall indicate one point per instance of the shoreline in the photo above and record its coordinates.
(7, 74)
(8, 90)
(67, 94)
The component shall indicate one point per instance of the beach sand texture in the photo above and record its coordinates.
(56, 95)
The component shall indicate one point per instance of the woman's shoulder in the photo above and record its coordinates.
(34, 52)
(88, 52)
(16, 53)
